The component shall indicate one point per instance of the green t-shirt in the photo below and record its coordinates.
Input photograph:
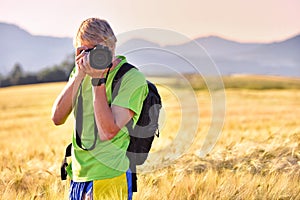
(108, 159)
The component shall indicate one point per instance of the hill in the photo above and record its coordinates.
(201, 55)
(32, 52)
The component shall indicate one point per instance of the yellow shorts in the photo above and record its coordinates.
(113, 188)
(119, 187)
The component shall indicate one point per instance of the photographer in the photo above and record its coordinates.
(100, 167)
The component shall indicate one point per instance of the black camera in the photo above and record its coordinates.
(100, 57)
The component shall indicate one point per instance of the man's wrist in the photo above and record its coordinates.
(98, 74)
(78, 77)
(98, 81)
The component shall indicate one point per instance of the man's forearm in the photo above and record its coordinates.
(105, 120)
(63, 105)
(109, 119)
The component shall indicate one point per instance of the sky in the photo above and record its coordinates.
(240, 20)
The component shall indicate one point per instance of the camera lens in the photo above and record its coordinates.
(100, 57)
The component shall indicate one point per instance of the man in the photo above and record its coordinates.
(103, 171)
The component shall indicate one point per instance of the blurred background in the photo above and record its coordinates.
(241, 37)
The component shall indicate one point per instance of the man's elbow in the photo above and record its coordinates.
(57, 121)
(105, 137)
(108, 135)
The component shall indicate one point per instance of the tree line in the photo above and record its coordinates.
(56, 73)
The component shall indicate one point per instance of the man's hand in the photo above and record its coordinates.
(83, 63)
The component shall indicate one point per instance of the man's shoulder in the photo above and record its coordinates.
(135, 74)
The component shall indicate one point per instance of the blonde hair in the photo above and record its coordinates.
(96, 31)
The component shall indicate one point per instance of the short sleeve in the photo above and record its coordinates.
(72, 72)
(132, 92)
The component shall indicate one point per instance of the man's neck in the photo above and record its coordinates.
(115, 63)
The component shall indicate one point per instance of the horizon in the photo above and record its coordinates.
(195, 38)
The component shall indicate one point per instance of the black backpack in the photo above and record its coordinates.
(141, 136)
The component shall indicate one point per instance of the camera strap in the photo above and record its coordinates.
(79, 123)
(109, 67)
(79, 119)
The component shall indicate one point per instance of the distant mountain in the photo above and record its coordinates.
(217, 46)
(230, 57)
(277, 58)
(201, 55)
(32, 52)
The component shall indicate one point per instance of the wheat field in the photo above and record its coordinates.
(257, 155)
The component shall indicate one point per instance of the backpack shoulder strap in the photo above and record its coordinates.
(116, 83)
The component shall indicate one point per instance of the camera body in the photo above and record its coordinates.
(100, 57)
